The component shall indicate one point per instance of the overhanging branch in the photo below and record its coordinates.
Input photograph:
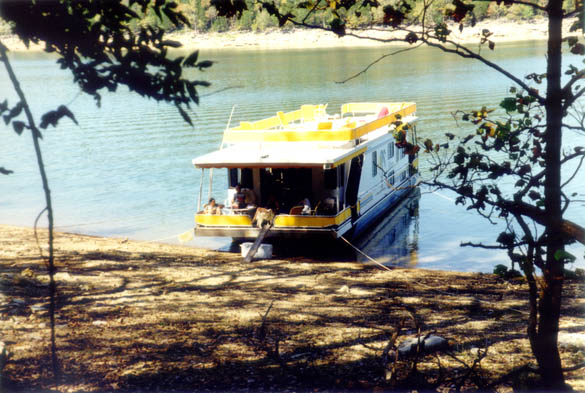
(377, 61)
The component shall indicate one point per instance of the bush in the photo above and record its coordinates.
(246, 21)
(503, 272)
(263, 21)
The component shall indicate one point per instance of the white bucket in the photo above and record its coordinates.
(263, 252)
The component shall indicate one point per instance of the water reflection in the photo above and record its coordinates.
(393, 241)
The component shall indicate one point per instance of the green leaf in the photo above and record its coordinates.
(192, 92)
(191, 59)
(18, 126)
(171, 43)
(230, 8)
(509, 104)
(204, 64)
(53, 117)
(5, 171)
(184, 114)
(564, 256)
(578, 49)
(411, 38)
(338, 27)
(13, 113)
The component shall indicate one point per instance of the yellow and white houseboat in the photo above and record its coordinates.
(322, 175)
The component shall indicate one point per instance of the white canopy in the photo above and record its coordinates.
(277, 155)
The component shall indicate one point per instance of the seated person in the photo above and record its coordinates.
(211, 207)
(239, 201)
(306, 206)
(272, 204)
(250, 197)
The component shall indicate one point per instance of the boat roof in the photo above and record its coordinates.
(277, 156)
(307, 137)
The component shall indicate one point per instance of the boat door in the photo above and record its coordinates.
(353, 185)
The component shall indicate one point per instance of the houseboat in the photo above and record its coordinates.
(311, 174)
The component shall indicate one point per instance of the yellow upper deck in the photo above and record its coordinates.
(311, 123)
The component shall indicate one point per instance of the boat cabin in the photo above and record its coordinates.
(318, 174)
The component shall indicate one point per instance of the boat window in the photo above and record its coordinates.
(382, 163)
(390, 150)
(233, 176)
(247, 179)
(330, 179)
(391, 177)
(374, 163)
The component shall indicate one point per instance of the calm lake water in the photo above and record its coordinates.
(126, 169)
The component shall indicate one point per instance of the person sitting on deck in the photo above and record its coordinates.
(306, 206)
(250, 197)
(239, 201)
(211, 207)
(272, 204)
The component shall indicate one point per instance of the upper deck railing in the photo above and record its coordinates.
(311, 123)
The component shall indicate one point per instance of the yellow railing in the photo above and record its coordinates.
(305, 114)
(274, 129)
(281, 220)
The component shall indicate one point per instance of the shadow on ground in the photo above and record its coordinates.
(146, 317)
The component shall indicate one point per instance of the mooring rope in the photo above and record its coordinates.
(384, 267)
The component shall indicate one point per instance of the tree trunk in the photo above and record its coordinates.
(546, 340)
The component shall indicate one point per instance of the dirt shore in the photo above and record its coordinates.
(503, 31)
(136, 316)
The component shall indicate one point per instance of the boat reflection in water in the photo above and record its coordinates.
(393, 241)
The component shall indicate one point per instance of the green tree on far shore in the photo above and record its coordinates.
(203, 15)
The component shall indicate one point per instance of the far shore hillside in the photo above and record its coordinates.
(503, 31)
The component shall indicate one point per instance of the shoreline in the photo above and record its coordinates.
(279, 39)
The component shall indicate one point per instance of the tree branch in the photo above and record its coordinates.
(377, 61)
(480, 245)
(464, 52)
(36, 136)
(574, 173)
(520, 2)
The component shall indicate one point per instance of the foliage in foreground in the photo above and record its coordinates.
(94, 41)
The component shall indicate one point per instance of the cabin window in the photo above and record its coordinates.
(330, 180)
(391, 177)
(342, 175)
(243, 176)
(233, 176)
(374, 163)
(390, 150)
(382, 159)
(247, 179)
